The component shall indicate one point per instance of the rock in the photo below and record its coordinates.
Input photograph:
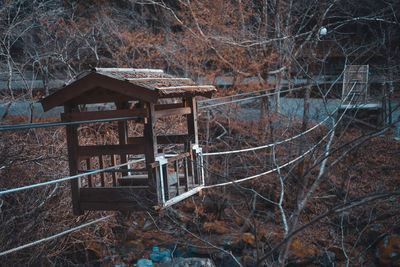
(144, 263)
(388, 249)
(187, 262)
(158, 254)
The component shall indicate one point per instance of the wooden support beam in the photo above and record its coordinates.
(115, 198)
(171, 112)
(181, 197)
(102, 166)
(162, 139)
(185, 87)
(168, 106)
(172, 159)
(108, 114)
(114, 174)
(89, 166)
(158, 79)
(122, 132)
(159, 71)
(110, 194)
(150, 142)
(192, 119)
(73, 161)
(93, 151)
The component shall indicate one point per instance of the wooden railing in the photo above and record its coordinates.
(179, 176)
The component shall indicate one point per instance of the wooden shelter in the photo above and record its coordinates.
(136, 97)
(357, 102)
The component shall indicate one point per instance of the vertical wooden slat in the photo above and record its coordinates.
(73, 161)
(164, 169)
(192, 169)
(186, 173)
(114, 174)
(102, 174)
(89, 166)
(176, 166)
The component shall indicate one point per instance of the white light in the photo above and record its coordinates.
(323, 31)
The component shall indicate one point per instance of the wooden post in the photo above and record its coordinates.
(102, 174)
(89, 166)
(192, 120)
(73, 160)
(114, 174)
(150, 139)
(122, 132)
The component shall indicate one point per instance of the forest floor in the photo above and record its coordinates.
(227, 224)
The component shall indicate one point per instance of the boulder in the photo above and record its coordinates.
(186, 262)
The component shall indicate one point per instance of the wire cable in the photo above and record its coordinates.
(279, 142)
(289, 162)
(3, 253)
(248, 98)
(267, 145)
(65, 178)
(236, 95)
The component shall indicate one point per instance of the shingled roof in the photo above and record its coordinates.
(103, 84)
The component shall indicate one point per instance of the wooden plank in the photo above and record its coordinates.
(115, 206)
(99, 95)
(122, 133)
(150, 141)
(186, 87)
(73, 161)
(111, 194)
(102, 166)
(186, 170)
(176, 169)
(181, 197)
(89, 166)
(192, 120)
(166, 181)
(114, 174)
(171, 112)
(168, 106)
(173, 139)
(95, 150)
(159, 71)
(159, 79)
(162, 139)
(108, 114)
(134, 180)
